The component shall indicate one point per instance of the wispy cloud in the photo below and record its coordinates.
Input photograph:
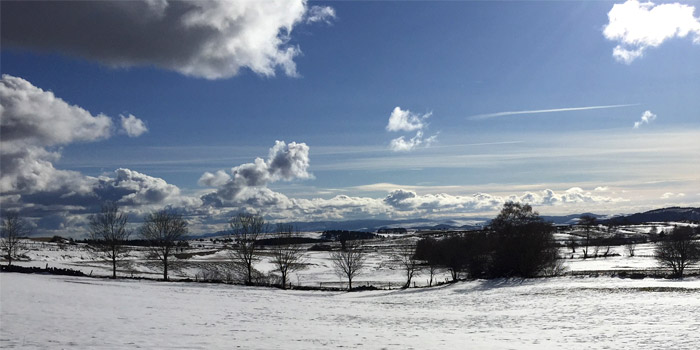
(539, 111)
(647, 118)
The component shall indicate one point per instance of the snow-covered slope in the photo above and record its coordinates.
(51, 312)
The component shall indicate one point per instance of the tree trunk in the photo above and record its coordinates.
(114, 267)
(349, 283)
(250, 275)
(165, 268)
(284, 280)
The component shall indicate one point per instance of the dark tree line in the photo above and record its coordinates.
(517, 243)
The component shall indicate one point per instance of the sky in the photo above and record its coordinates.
(314, 111)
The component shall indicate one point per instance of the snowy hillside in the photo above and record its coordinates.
(560, 313)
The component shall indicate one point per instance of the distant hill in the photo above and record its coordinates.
(656, 215)
(569, 219)
(372, 225)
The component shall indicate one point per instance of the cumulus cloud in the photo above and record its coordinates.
(219, 178)
(639, 26)
(285, 162)
(34, 124)
(32, 120)
(408, 203)
(31, 115)
(647, 117)
(208, 39)
(132, 126)
(135, 189)
(405, 120)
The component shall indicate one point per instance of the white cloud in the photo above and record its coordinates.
(647, 117)
(31, 115)
(33, 122)
(668, 195)
(132, 126)
(639, 26)
(33, 119)
(219, 178)
(320, 14)
(209, 39)
(285, 162)
(400, 144)
(405, 120)
(139, 189)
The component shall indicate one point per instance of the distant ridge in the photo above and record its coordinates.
(372, 225)
(657, 215)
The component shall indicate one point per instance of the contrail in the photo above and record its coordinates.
(537, 111)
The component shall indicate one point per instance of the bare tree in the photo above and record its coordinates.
(406, 257)
(163, 229)
(287, 256)
(588, 222)
(433, 269)
(678, 250)
(246, 229)
(608, 241)
(631, 246)
(109, 234)
(572, 244)
(14, 229)
(350, 261)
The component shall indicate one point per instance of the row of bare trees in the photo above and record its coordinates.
(162, 230)
(109, 235)
(519, 243)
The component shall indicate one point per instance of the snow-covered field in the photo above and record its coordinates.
(57, 312)
(54, 312)
(380, 270)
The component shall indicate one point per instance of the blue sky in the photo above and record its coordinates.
(448, 71)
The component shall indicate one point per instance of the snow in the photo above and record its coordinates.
(41, 311)
(44, 311)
